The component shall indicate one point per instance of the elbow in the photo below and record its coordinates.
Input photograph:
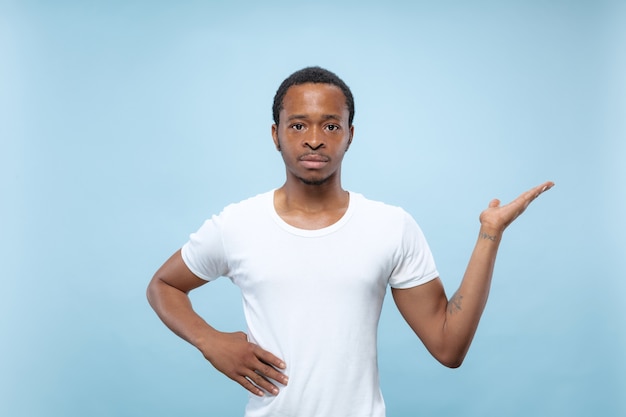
(149, 293)
(152, 291)
(452, 359)
(453, 363)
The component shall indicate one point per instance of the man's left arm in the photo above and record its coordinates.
(447, 327)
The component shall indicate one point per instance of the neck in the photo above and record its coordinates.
(311, 206)
(312, 198)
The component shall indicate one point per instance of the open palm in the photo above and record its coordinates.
(497, 218)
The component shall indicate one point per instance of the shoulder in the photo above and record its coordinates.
(377, 208)
(393, 220)
(248, 206)
(234, 219)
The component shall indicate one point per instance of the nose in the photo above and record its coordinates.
(315, 139)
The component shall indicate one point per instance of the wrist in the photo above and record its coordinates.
(207, 341)
(490, 233)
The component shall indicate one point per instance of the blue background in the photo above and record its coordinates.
(124, 124)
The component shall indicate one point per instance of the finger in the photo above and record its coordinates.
(262, 382)
(538, 190)
(269, 358)
(268, 364)
(270, 372)
(248, 385)
(494, 203)
(529, 196)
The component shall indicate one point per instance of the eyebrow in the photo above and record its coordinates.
(324, 117)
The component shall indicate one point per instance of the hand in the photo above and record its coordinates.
(496, 218)
(246, 363)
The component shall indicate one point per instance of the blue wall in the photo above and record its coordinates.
(124, 124)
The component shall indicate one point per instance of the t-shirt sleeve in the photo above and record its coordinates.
(415, 264)
(204, 252)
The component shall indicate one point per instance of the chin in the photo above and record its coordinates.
(314, 181)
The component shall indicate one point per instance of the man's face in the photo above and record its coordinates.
(313, 132)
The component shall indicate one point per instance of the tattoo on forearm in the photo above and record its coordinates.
(454, 305)
(488, 236)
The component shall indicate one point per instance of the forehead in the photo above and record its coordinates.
(311, 97)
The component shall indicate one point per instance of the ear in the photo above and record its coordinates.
(350, 138)
(275, 137)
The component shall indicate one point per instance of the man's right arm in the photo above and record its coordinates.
(230, 353)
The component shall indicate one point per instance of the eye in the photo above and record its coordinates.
(332, 127)
(297, 126)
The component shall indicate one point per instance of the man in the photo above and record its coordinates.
(313, 262)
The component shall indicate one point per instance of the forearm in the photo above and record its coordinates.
(466, 306)
(230, 353)
(447, 327)
(174, 308)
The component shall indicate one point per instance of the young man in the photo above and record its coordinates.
(313, 262)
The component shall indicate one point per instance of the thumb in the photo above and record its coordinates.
(494, 203)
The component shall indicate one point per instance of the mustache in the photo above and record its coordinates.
(313, 156)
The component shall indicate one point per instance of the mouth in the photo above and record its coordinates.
(313, 157)
(313, 160)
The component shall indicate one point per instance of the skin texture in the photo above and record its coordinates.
(447, 327)
(229, 353)
(313, 135)
(313, 125)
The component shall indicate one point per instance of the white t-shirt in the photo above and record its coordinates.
(313, 297)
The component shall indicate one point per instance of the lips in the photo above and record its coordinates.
(313, 160)
(313, 157)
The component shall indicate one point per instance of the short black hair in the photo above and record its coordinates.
(314, 75)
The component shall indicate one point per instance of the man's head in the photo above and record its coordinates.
(314, 75)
